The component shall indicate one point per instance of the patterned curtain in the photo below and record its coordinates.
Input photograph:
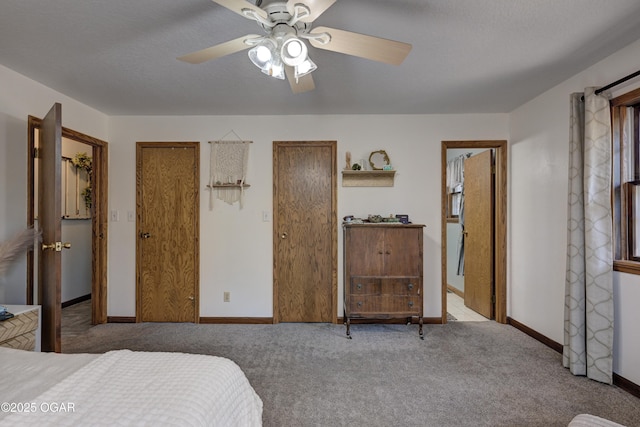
(588, 318)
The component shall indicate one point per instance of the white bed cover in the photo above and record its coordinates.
(143, 388)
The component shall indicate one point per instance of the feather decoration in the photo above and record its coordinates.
(16, 246)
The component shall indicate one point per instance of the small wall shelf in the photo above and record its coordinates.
(229, 186)
(375, 178)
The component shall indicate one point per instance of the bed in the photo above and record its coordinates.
(125, 388)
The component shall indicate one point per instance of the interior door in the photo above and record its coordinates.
(167, 231)
(478, 233)
(305, 234)
(49, 221)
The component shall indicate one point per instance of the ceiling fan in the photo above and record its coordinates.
(282, 51)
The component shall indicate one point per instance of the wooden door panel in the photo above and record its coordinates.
(49, 220)
(168, 232)
(478, 240)
(304, 231)
(399, 260)
(370, 259)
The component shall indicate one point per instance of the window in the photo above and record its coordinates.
(625, 113)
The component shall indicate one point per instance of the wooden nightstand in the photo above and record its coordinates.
(23, 330)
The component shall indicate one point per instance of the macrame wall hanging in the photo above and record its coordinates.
(228, 170)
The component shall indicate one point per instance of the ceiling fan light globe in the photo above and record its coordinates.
(277, 71)
(306, 67)
(257, 60)
(293, 51)
(294, 48)
(263, 53)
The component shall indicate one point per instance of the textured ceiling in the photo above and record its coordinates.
(468, 56)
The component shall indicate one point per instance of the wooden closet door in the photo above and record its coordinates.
(168, 230)
(305, 276)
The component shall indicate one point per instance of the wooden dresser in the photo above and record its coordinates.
(383, 272)
(22, 331)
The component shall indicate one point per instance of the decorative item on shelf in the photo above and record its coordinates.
(348, 160)
(379, 159)
(356, 167)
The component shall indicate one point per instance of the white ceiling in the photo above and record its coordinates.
(468, 56)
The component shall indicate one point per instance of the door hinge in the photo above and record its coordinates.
(36, 152)
(493, 169)
(493, 299)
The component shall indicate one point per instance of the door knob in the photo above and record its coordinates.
(191, 298)
(284, 235)
(145, 235)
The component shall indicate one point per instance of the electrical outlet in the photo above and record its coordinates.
(131, 216)
(227, 297)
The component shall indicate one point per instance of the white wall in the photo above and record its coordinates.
(539, 135)
(19, 98)
(236, 245)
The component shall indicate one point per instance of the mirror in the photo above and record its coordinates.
(379, 159)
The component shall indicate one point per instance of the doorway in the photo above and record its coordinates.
(167, 231)
(304, 231)
(485, 253)
(98, 223)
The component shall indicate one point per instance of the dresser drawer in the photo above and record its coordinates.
(365, 285)
(20, 331)
(364, 305)
(409, 286)
(402, 305)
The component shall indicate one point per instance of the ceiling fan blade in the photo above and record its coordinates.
(304, 83)
(317, 7)
(369, 47)
(219, 50)
(237, 6)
